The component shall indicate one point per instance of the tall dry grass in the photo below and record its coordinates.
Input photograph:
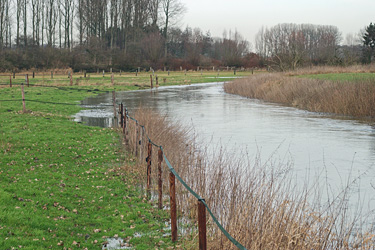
(258, 203)
(339, 97)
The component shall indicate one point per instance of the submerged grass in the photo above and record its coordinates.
(255, 201)
(350, 94)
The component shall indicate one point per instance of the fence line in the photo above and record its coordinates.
(202, 205)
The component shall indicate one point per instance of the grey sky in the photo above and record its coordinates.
(248, 16)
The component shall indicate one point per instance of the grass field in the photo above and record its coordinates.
(62, 184)
(352, 77)
(125, 79)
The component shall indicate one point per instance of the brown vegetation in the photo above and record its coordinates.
(339, 97)
(256, 202)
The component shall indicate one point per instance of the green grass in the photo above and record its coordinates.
(61, 183)
(353, 77)
(125, 79)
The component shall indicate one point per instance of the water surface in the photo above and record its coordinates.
(336, 148)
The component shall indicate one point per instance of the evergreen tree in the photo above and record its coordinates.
(369, 42)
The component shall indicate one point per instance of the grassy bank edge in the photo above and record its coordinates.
(35, 156)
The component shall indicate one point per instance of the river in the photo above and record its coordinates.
(337, 149)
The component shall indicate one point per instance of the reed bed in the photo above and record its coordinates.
(257, 202)
(355, 99)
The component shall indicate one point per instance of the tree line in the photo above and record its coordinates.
(128, 34)
(118, 34)
(289, 46)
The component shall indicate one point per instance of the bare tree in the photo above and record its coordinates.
(171, 10)
(287, 46)
(51, 20)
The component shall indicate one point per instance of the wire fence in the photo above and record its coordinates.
(124, 116)
(124, 120)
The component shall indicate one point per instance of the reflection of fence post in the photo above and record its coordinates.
(202, 225)
(149, 155)
(23, 99)
(10, 81)
(172, 195)
(160, 156)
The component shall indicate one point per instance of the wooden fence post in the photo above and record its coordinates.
(71, 79)
(14, 75)
(135, 139)
(10, 81)
(160, 159)
(122, 116)
(172, 195)
(51, 74)
(114, 107)
(202, 225)
(33, 74)
(152, 84)
(23, 99)
(112, 79)
(27, 80)
(157, 81)
(140, 143)
(149, 155)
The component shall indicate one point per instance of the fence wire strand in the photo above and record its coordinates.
(172, 170)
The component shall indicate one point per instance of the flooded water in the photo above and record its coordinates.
(336, 148)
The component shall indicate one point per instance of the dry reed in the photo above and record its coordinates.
(339, 97)
(256, 202)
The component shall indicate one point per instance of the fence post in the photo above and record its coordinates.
(51, 74)
(140, 144)
(27, 80)
(33, 74)
(112, 79)
(121, 108)
(202, 225)
(10, 81)
(152, 84)
(23, 99)
(172, 195)
(157, 81)
(149, 155)
(135, 139)
(71, 79)
(114, 107)
(14, 75)
(160, 159)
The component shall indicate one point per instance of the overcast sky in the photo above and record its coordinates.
(248, 16)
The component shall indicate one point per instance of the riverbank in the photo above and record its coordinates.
(257, 202)
(343, 91)
(64, 184)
